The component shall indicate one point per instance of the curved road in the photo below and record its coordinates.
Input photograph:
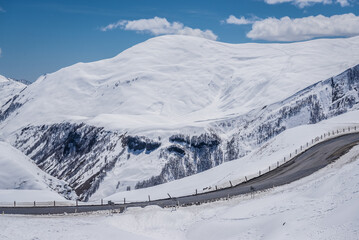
(302, 165)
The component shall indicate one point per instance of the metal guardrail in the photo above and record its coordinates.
(326, 136)
(57, 207)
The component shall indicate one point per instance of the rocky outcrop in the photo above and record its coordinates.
(80, 154)
(187, 156)
(192, 154)
(9, 107)
(320, 101)
(137, 145)
(83, 155)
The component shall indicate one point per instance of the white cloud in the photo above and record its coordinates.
(0, 52)
(159, 26)
(304, 3)
(287, 29)
(343, 3)
(238, 21)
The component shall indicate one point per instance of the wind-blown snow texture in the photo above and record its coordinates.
(174, 106)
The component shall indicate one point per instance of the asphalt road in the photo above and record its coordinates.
(304, 164)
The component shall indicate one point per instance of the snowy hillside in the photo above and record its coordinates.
(9, 88)
(274, 150)
(321, 206)
(175, 106)
(173, 81)
(21, 180)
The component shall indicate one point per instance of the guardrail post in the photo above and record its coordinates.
(101, 201)
(259, 173)
(296, 151)
(14, 203)
(77, 202)
(216, 187)
(245, 177)
(124, 200)
(54, 204)
(149, 198)
(196, 191)
(230, 183)
(34, 204)
(277, 164)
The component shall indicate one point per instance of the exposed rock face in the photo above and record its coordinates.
(137, 145)
(80, 154)
(189, 155)
(71, 152)
(84, 155)
(186, 156)
(9, 107)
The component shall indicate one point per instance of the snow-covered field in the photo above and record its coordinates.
(321, 206)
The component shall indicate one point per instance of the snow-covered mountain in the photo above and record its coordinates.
(19, 173)
(9, 88)
(174, 106)
(173, 81)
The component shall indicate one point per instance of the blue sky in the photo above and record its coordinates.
(42, 36)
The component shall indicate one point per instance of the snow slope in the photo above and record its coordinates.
(321, 206)
(9, 88)
(274, 150)
(123, 122)
(22, 180)
(173, 81)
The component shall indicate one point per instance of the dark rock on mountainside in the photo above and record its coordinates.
(83, 155)
(9, 107)
(80, 154)
(137, 145)
(187, 156)
(323, 100)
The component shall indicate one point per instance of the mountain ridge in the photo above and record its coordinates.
(164, 110)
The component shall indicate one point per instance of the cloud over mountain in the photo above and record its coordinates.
(159, 26)
(297, 29)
